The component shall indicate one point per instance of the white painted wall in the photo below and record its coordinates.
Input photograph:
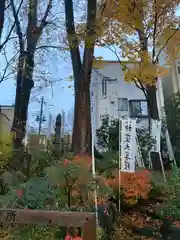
(117, 89)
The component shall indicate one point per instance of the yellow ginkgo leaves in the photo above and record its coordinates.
(171, 39)
(128, 12)
(146, 73)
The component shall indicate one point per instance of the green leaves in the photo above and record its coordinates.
(107, 134)
(172, 190)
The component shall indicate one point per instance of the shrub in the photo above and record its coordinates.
(39, 161)
(37, 193)
(74, 178)
(146, 142)
(158, 185)
(134, 186)
(66, 185)
(6, 144)
(108, 164)
(100, 234)
(171, 207)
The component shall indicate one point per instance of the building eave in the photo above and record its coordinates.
(117, 61)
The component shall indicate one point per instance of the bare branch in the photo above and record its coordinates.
(169, 38)
(141, 87)
(14, 24)
(4, 115)
(154, 34)
(44, 19)
(18, 27)
(55, 47)
(8, 63)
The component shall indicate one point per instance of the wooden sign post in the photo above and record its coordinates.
(64, 219)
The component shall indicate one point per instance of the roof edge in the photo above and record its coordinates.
(116, 61)
(6, 106)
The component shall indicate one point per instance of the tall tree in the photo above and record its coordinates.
(81, 139)
(2, 13)
(136, 27)
(27, 48)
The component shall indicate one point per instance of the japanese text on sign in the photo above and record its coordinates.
(128, 143)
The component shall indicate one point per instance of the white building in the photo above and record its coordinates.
(171, 82)
(6, 119)
(112, 95)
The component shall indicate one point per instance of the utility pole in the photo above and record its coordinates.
(41, 116)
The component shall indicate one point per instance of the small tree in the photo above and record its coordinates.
(142, 30)
(108, 137)
(107, 134)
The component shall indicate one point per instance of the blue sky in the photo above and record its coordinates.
(62, 98)
(62, 95)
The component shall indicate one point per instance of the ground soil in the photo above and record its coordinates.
(138, 217)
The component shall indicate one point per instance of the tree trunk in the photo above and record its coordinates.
(81, 139)
(23, 91)
(24, 82)
(151, 90)
(2, 11)
(152, 102)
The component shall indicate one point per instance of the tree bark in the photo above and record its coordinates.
(2, 12)
(24, 84)
(24, 81)
(152, 102)
(81, 139)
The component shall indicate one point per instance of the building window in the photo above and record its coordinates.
(104, 86)
(138, 108)
(178, 68)
(122, 104)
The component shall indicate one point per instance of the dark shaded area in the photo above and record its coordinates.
(166, 231)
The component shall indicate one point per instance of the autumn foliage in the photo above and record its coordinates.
(134, 186)
(83, 160)
(76, 179)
